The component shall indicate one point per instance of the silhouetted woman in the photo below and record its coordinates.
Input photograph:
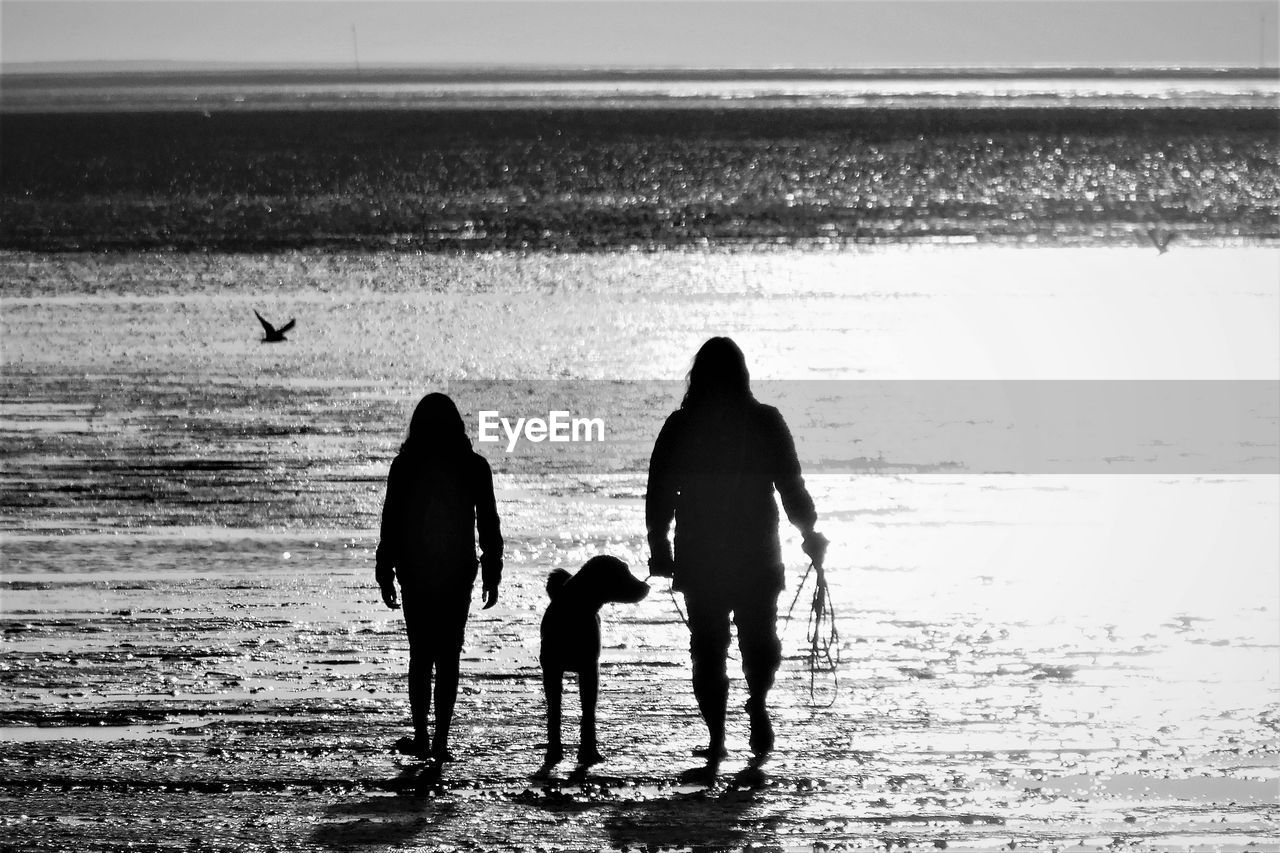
(439, 493)
(714, 468)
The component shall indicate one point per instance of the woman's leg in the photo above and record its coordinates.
(756, 615)
(709, 649)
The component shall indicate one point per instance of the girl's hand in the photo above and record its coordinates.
(389, 596)
(490, 594)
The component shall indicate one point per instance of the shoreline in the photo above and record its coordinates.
(968, 111)
(481, 248)
(144, 71)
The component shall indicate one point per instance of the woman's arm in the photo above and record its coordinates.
(660, 501)
(796, 501)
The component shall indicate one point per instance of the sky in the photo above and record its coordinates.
(628, 33)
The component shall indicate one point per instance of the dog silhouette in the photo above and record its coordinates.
(571, 643)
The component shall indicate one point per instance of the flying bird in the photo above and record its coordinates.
(1157, 233)
(1160, 238)
(273, 335)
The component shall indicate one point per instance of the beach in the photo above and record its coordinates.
(1057, 628)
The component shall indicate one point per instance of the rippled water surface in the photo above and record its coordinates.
(570, 178)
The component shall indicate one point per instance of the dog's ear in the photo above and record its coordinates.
(556, 581)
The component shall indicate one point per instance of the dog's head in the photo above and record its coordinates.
(601, 580)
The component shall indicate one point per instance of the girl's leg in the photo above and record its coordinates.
(419, 672)
(447, 652)
(420, 697)
(446, 696)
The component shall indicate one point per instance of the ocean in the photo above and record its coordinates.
(1028, 349)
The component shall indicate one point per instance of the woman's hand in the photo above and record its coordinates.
(661, 563)
(389, 596)
(490, 595)
(815, 547)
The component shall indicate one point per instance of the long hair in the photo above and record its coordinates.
(436, 430)
(719, 371)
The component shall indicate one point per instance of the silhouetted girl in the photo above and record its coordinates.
(439, 492)
(714, 468)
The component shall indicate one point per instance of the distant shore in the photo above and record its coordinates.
(127, 73)
(78, 87)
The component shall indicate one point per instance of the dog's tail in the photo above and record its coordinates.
(556, 581)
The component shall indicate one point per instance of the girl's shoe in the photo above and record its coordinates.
(413, 747)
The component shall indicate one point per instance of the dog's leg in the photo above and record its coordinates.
(552, 684)
(589, 688)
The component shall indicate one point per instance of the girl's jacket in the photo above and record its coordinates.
(433, 510)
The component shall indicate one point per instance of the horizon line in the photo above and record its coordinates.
(174, 66)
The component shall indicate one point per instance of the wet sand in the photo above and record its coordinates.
(195, 657)
(242, 693)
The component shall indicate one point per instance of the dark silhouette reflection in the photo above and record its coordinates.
(637, 816)
(382, 821)
(571, 643)
(439, 494)
(713, 471)
(700, 821)
(271, 334)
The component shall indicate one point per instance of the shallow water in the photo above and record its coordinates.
(570, 178)
(195, 656)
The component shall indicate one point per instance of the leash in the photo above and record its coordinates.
(671, 592)
(824, 643)
(820, 630)
(675, 601)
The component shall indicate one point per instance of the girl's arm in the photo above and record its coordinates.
(388, 537)
(490, 534)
